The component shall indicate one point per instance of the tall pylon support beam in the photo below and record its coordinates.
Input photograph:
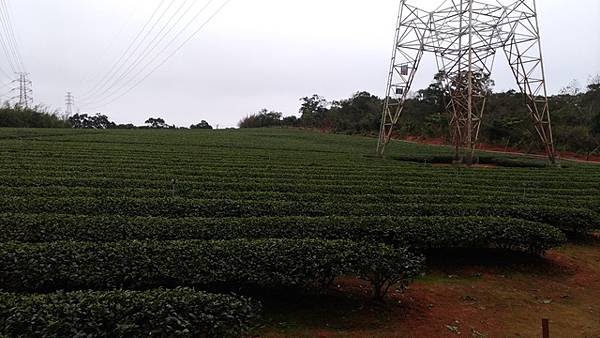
(523, 50)
(411, 31)
(465, 36)
(465, 59)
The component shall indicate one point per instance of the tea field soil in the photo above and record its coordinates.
(462, 295)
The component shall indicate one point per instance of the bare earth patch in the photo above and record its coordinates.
(463, 295)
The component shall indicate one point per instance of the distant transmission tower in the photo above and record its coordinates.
(25, 96)
(465, 36)
(69, 103)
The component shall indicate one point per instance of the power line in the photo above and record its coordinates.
(12, 34)
(5, 47)
(109, 46)
(150, 47)
(9, 42)
(117, 66)
(145, 67)
(112, 82)
(104, 102)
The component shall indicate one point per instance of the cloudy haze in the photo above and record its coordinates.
(254, 54)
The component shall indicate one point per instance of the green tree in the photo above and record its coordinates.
(157, 123)
(262, 119)
(36, 117)
(313, 110)
(596, 124)
(85, 121)
(202, 125)
(361, 113)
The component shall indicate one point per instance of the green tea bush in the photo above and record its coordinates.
(405, 196)
(566, 219)
(509, 162)
(156, 313)
(415, 232)
(140, 265)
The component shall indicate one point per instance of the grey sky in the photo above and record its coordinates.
(256, 53)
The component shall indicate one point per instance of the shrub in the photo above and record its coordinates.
(36, 117)
(415, 232)
(262, 119)
(509, 162)
(566, 219)
(140, 265)
(160, 313)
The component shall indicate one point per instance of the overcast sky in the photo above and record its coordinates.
(254, 54)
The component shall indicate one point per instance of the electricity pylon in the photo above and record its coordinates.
(69, 103)
(25, 93)
(465, 36)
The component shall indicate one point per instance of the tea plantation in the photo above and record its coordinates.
(150, 233)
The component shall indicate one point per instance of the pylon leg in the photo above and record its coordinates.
(408, 51)
(524, 54)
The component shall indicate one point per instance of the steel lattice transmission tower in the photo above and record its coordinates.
(69, 103)
(465, 36)
(25, 93)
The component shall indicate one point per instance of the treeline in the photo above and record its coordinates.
(39, 117)
(35, 117)
(99, 121)
(507, 122)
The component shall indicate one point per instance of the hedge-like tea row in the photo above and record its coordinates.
(411, 195)
(566, 219)
(284, 176)
(147, 180)
(154, 313)
(239, 168)
(325, 175)
(500, 161)
(416, 232)
(140, 265)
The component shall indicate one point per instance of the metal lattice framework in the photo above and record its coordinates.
(465, 36)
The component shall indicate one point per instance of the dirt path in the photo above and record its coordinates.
(570, 156)
(461, 296)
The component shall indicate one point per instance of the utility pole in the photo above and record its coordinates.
(25, 96)
(69, 103)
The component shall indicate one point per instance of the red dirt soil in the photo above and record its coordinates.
(465, 297)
